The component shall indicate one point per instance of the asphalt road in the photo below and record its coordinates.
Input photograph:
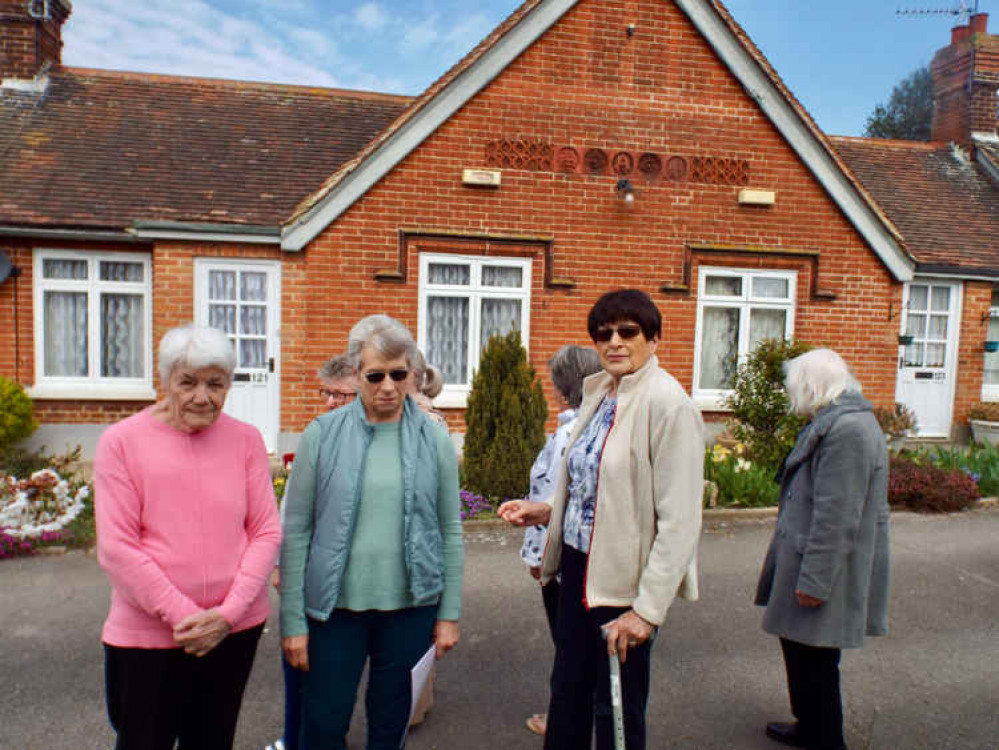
(933, 683)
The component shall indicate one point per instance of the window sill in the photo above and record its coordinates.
(711, 403)
(453, 400)
(91, 393)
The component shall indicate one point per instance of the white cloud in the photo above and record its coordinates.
(371, 16)
(421, 35)
(469, 32)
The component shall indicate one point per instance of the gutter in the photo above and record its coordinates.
(978, 274)
(207, 232)
(93, 235)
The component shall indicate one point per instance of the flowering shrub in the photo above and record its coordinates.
(928, 488)
(280, 480)
(473, 505)
(45, 502)
(11, 546)
(740, 482)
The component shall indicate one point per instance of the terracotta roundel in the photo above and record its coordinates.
(567, 160)
(623, 164)
(677, 169)
(596, 161)
(650, 165)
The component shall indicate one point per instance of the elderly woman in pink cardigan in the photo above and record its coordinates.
(188, 533)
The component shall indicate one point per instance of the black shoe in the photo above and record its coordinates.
(786, 734)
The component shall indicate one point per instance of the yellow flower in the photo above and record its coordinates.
(719, 453)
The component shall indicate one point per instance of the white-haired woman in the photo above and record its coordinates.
(372, 561)
(825, 578)
(187, 532)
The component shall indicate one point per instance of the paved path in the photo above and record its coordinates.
(933, 683)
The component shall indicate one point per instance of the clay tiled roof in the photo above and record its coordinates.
(945, 205)
(104, 149)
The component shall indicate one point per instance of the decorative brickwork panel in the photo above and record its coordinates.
(677, 169)
(623, 164)
(650, 165)
(568, 160)
(714, 171)
(595, 161)
(535, 156)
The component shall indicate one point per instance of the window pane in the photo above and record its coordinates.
(66, 334)
(57, 268)
(766, 324)
(917, 297)
(995, 297)
(935, 355)
(770, 288)
(115, 271)
(915, 325)
(941, 298)
(253, 320)
(222, 285)
(913, 355)
(505, 276)
(253, 287)
(991, 374)
(447, 337)
(723, 286)
(253, 353)
(121, 336)
(446, 273)
(719, 347)
(222, 317)
(498, 317)
(938, 327)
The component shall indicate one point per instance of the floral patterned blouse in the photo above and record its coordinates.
(584, 470)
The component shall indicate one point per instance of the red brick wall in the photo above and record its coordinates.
(25, 44)
(586, 84)
(971, 353)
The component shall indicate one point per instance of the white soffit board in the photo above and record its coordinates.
(434, 114)
(797, 134)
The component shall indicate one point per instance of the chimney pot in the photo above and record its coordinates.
(980, 23)
(959, 34)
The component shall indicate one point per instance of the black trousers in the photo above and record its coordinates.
(813, 684)
(157, 696)
(580, 684)
(550, 596)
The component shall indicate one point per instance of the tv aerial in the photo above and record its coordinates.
(963, 10)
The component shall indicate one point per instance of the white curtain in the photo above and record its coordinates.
(499, 317)
(991, 373)
(59, 268)
(446, 273)
(253, 353)
(765, 324)
(253, 320)
(511, 277)
(222, 285)
(66, 334)
(118, 271)
(253, 286)
(122, 336)
(447, 337)
(222, 317)
(719, 347)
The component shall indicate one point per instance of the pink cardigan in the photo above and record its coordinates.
(185, 522)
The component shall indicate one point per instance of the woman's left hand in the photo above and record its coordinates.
(201, 632)
(446, 636)
(627, 631)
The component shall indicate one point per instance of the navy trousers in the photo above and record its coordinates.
(580, 684)
(813, 685)
(338, 649)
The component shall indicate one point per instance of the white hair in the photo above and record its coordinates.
(815, 379)
(385, 335)
(195, 346)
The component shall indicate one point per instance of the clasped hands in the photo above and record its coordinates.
(201, 632)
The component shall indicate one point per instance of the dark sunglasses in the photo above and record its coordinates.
(377, 376)
(626, 332)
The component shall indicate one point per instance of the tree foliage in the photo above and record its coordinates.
(17, 418)
(761, 417)
(505, 421)
(908, 115)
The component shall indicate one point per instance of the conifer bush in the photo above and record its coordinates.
(17, 417)
(761, 416)
(505, 421)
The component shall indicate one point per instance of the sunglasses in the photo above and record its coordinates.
(377, 376)
(626, 332)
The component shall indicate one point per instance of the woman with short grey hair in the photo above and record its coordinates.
(187, 532)
(825, 577)
(372, 562)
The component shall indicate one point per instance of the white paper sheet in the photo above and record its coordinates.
(418, 679)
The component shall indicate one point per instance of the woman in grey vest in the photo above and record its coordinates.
(825, 578)
(372, 562)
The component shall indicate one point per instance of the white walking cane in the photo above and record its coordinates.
(615, 693)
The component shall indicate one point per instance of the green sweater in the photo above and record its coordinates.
(375, 575)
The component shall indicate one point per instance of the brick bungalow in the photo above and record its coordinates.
(583, 145)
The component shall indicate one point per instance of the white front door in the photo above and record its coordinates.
(931, 315)
(242, 298)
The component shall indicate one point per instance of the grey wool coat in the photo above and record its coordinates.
(831, 538)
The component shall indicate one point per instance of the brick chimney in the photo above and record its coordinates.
(31, 36)
(965, 81)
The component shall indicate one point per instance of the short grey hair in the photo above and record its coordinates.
(816, 379)
(385, 335)
(569, 366)
(197, 347)
(336, 368)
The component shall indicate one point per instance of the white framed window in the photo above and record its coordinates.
(736, 309)
(93, 325)
(465, 300)
(990, 367)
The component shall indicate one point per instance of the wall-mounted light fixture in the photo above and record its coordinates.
(625, 191)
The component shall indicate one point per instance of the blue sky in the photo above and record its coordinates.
(840, 58)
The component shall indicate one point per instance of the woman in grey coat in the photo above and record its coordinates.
(825, 578)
